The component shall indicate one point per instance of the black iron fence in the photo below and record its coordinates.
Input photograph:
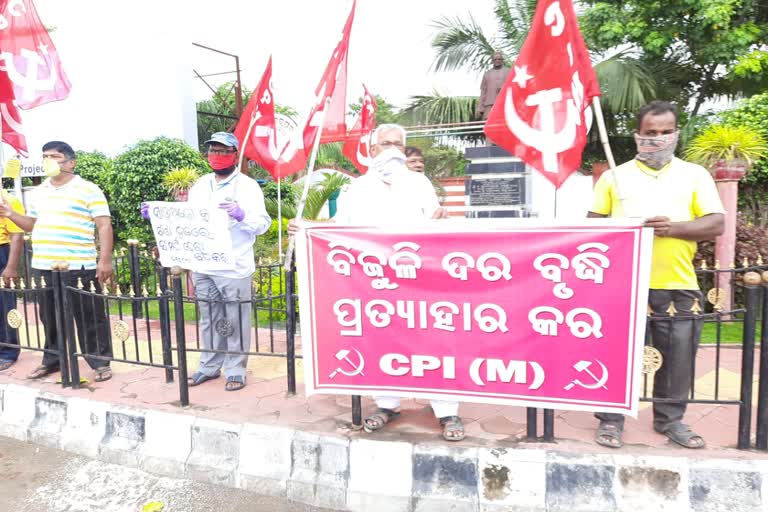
(720, 329)
(150, 315)
(153, 319)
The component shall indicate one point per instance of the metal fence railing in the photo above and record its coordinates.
(153, 320)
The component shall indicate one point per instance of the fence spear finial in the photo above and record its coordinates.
(672, 310)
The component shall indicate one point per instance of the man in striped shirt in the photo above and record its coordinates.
(63, 213)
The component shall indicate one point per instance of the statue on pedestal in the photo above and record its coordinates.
(493, 81)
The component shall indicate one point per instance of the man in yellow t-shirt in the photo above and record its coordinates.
(680, 202)
(11, 247)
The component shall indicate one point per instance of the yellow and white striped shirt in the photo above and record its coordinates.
(64, 229)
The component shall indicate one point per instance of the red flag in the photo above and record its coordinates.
(357, 147)
(29, 56)
(10, 121)
(539, 114)
(262, 144)
(333, 85)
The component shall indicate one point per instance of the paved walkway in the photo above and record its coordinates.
(265, 401)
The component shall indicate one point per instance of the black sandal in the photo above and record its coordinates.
(377, 420)
(682, 434)
(453, 428)
(5, 364)
(198, 378)
(609, 434)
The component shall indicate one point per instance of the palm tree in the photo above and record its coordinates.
(626, 82)
(316, 198)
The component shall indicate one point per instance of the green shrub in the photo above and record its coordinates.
(753, 194)
(137, 175)
(96, 167)
(265, 249)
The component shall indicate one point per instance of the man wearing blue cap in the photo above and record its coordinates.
(225, 295)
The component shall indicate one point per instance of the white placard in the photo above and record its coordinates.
(194, 236)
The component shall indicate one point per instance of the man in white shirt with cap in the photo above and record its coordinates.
(225, 295)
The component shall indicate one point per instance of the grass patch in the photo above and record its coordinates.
(730, 333)
(260, 316)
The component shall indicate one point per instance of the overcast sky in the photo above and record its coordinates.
(131, 63)
(390, 47)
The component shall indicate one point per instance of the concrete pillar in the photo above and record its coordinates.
(727, 176)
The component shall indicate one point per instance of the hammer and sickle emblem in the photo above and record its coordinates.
(585, 367)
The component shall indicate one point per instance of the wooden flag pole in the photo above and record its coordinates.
(308, 179)
(606, 145)
(603, 132)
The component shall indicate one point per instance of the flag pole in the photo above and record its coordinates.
(245, 141)
(247, 138)
(603, 132)
(279, 181)
(606, 145)
(308, 179)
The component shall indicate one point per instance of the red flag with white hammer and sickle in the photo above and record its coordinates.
(357, 148)
(541, 113)
(29, 57)
(261, 145)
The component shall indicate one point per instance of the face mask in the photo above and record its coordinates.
(656, 152)
(386, 163)
(224, 163)
(51, 167)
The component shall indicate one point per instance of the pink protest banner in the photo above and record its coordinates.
(514, 312)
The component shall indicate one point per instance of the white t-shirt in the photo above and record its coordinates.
(370, 201)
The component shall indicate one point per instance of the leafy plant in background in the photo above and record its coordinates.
(135, 177)
(753, 189)
(725, 143)
(751, 243)
(265, 250)
(180, 180)
(316, 198)
(269, 189)
(95, 167)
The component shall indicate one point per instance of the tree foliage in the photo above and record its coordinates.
(386, 112)
(626, 82)
(695, 47)
(95, 167)
(753, 197)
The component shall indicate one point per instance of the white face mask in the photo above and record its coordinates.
(386, 163)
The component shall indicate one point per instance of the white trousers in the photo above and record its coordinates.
(441, 408)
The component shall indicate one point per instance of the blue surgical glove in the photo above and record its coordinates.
(234, 211)
(145, 210)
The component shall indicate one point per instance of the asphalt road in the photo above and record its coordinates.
(38, 479)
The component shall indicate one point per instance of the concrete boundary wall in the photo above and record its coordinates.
(365, 474)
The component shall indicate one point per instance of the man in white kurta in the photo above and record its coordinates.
(391, 194)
